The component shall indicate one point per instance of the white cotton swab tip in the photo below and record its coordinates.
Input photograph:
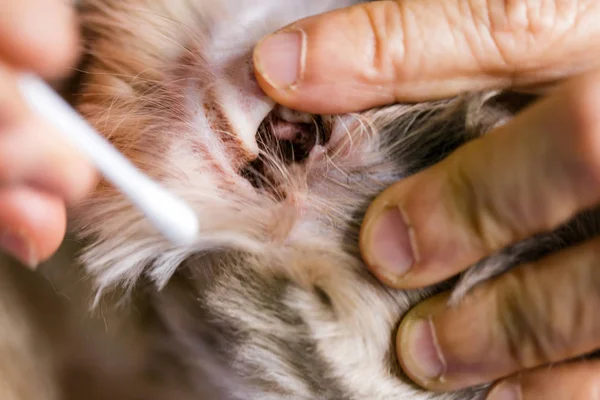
(170, 215)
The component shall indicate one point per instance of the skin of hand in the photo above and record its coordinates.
(526, 177)
(39, 173)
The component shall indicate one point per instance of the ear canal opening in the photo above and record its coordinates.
(285, 142)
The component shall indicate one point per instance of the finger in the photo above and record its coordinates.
(526, 177)
(32, 224)
(39, 35)
(386, 51)
(575, 380)
(534, 315)
(32, 152)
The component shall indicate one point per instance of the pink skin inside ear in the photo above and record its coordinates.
(229, 53)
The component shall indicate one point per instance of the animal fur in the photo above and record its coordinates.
(272, 301)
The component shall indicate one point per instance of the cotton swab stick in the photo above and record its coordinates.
(170, 215)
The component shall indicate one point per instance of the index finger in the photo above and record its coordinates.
(383, 52)
(40, 36)
(524, 178)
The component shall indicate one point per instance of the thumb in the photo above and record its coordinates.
(383, 52)
(40, 36)
(326, 63)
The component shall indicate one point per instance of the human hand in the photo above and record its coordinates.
(544, 168)
(39, 173)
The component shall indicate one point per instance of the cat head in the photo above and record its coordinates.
(274, 277)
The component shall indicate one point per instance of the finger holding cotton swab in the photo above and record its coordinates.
(169, 214)
(39, 174)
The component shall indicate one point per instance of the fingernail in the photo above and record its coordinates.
(280, 58)
(505, 391)
(391, 243)
(17, 245)
(422, 349)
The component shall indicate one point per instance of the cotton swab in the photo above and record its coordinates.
(170, 215)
